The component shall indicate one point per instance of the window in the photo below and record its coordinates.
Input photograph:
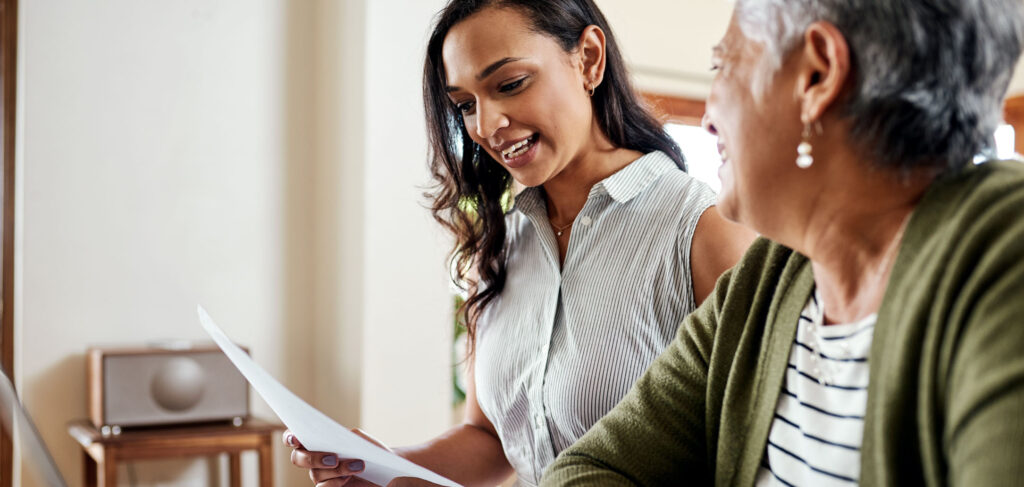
(701, 151)
(1005, 141)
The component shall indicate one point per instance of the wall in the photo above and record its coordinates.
(384, 344)
(161, 165)
(1017, 83)
(232, 153)
(668, 43)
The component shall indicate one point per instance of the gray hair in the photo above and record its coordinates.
(929, 76)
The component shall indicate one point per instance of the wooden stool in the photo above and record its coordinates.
(101, 454)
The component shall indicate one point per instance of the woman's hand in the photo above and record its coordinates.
(326, 469)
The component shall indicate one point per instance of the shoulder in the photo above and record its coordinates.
(975, 188)
(679, 198)
(969, 227)
(667, 180)
(975, 208)
(684, 187)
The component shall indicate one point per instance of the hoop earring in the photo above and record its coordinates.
(590, 91)
(804, 158)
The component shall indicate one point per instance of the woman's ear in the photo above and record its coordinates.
(824, 68)
(591, 52)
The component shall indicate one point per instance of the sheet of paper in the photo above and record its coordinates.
(314, 429)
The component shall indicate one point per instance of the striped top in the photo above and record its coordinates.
(561, 345)
(818, 429)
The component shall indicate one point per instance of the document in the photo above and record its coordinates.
(314, 429)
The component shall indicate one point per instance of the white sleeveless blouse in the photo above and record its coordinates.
(560, 346)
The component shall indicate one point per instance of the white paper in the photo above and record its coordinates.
(314, 429)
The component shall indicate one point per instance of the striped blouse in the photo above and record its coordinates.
(818, 429)
(563, 344)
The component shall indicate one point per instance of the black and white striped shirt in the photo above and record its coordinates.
(816, 436)
(562, 345)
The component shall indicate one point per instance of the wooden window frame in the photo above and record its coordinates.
(8, 86)
(1013, 114)
(675, 109)
(689, 111)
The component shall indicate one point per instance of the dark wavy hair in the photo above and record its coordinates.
(471, 186)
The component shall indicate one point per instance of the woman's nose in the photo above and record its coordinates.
(705, 122)
(489, 119)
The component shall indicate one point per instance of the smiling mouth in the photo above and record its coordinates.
(520, 147)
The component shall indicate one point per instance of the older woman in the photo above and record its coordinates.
(880, 341)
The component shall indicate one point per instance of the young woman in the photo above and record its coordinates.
(578, 287)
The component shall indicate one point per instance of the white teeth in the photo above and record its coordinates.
(517, 149)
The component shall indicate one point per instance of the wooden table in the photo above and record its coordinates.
(102, 454)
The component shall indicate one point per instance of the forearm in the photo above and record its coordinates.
(466, 454)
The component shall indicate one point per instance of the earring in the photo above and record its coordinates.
(804, 158)
(590, 90)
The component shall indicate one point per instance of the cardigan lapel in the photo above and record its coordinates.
(794, 289)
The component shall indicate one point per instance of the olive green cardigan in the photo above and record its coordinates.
(946, 393)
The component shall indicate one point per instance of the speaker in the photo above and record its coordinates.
(149, 386)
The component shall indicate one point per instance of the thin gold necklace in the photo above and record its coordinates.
(559, 230)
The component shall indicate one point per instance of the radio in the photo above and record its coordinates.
(150, 386)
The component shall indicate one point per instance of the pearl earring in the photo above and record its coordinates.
(804, 158)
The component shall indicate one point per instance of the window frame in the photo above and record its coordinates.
(1013, 114)
(689, 111)
(8, 102)
(675, 109)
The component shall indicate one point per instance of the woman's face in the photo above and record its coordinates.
(522, 97)
(757, 134)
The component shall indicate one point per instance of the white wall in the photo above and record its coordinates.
(407, 286)
(221, 152)
(161, 166)
(385, 344)
(1017, 84)
(668, 42)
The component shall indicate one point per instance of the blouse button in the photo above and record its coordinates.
(586, 221)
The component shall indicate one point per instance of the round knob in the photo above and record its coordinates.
(178, 384)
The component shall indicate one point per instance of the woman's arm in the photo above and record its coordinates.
(470, 453)
(717, 245)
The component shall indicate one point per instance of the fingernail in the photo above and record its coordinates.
(356, 466)
(291, 440)
(330, 460)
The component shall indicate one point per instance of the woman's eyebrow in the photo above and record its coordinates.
(489, 70)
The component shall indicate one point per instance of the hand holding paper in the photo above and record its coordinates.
(314, 429)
